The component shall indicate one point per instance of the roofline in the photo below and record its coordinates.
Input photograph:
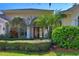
(73, 6)
(28, 9)
(4, 18)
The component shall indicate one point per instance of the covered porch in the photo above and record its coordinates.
(29, 32)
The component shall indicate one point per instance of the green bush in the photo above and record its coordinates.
(27, 45)
(12, 39)
(66, 37)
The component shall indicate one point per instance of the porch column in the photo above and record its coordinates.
(45, 32)
(25, 32)
(18, 32)
(33, 32)
(42, 32)
(28, 32)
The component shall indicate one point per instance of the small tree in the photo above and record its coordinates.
(51, 21)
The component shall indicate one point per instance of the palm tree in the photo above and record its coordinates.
(51, 21)
(16, 24)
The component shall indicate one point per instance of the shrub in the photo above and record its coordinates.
(12, 39)
(66, 37)
(27, 45)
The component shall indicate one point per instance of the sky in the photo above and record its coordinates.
(54, 6)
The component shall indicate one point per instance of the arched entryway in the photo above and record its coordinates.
(24, 30)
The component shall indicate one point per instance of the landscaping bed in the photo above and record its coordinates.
(25, 45)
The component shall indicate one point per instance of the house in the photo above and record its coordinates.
(72, 16)
(3, 22)
(28, 15)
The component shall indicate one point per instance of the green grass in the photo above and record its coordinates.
(50, 53)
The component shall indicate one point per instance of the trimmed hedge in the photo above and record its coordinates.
(25, 45)
(66, 37)
(12, 39)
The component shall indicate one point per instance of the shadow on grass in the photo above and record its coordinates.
(21, 53)
(49, 53)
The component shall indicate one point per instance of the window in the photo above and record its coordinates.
(78, 20)
(0, 28)
(4, 28)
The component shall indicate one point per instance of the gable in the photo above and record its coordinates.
(74, 8)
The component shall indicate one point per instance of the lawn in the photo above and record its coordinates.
(54, 51)
(50, 53)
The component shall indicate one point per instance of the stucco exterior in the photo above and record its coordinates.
(2, 26)
(72, 16)
(28, 15)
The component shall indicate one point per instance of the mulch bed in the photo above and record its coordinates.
(55, 48)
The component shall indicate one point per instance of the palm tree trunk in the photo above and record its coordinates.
(37, 32)
(47, 32)
(50, 32)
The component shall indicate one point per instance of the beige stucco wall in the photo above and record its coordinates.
(26, 12)
(72, 17)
